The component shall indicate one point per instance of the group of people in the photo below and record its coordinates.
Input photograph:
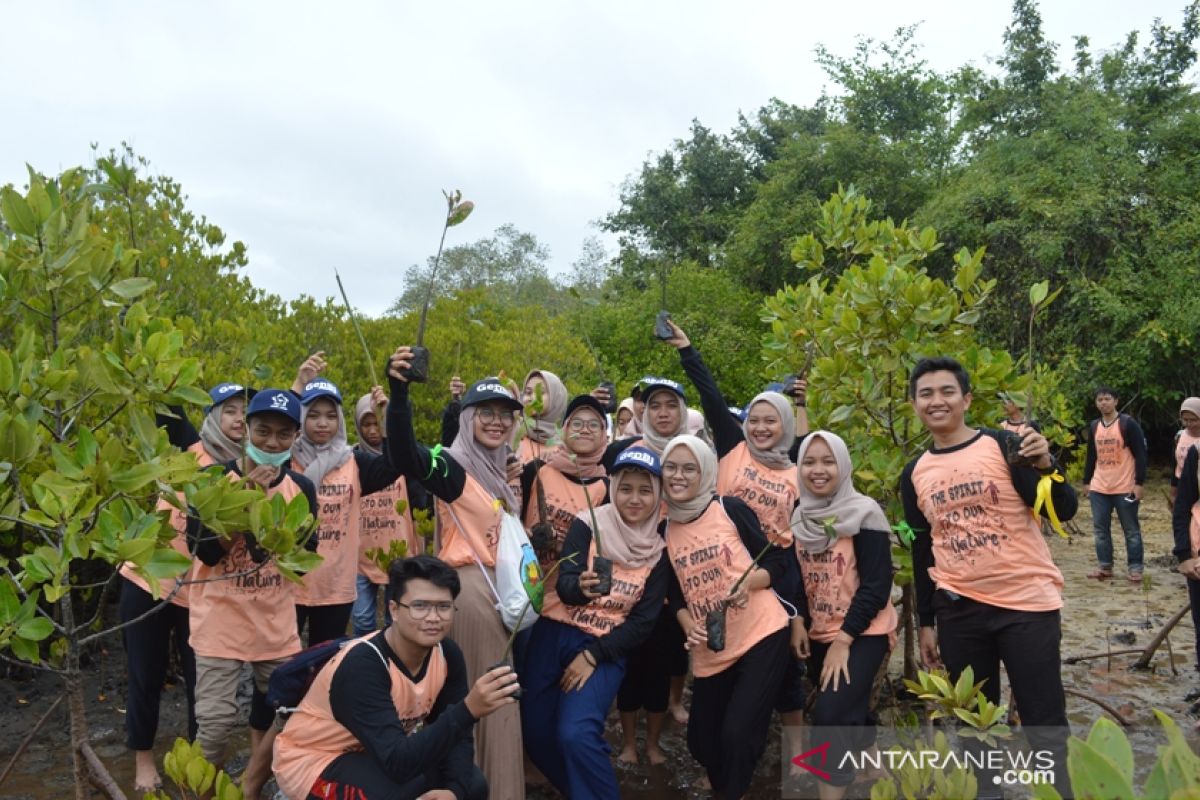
(740, 552)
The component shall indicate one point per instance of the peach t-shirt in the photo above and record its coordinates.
(380, 525)
(601, 615)
(830, 582)
(1114, 461)
(332, 582)
(480, 514)
(770, 493)
(180, 544)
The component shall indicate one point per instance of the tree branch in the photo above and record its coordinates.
(12, 762)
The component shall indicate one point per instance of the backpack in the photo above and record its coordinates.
(290, 680)
(518, 573)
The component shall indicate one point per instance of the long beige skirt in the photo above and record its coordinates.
(481, 636)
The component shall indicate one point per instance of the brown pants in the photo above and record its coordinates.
(217, 682)
(481, 636)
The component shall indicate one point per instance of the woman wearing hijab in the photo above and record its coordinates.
(846, 599)
(538, 426)
(577, 650)
(1189, 434)
(553, 485)
(624, 419)
(754, 466)
(470, 485)
(343, 476)
(380, 521)
(148, 642)
(712, 543)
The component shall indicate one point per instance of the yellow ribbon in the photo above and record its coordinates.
(1043, 498)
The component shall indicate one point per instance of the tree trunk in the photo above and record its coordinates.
(1148, 653)
(79, 725)
(908, 602)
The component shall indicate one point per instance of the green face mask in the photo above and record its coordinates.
(267, 459)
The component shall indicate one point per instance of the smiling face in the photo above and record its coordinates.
(819, 469)
(940, 403)
(321, 421)
(493, 423)
(432, 629)
(764, 425)
(635, 498)
(272, 433)
(681, 475)
(665, 412)
(585, 432)
(232, 419)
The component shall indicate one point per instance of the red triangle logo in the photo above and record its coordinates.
(801, 760)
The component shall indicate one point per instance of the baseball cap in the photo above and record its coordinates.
(637, 457)
(584, 401)
(490, 389)
(223, 391)
(275, 401)
(320, 388)
(738, 413)
(652, 385)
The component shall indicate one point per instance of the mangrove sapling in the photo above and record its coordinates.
(541, 533)
(457, 210)
(602, 566)
(1040, 296)
(714, 621)
(539, 592)
(363, 341)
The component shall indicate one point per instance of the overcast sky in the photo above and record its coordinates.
(322, 134)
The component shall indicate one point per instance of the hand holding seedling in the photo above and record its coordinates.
(457, 388)
(515, 468)
(313, 366)
(494, 690)
(602, 394)
(695, 634)
(577, 672)
(399, 362)
(588, 581)
(263, 475)
(679, 339)
(800, 391)
(1190, 569)
(1035, 448)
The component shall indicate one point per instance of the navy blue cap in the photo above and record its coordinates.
(775, 386)
(738, 413)
(223, 391)
(490, 389)
(275, 401)
(320, 388)
(652, 385)
(639, 458)
(584, 401)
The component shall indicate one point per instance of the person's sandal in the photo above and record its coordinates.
(1101, 574)
(1135, 577)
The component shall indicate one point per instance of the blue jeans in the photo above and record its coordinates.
(363, 612)
(1127, 512)
(564, 731)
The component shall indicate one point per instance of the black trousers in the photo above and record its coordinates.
(1194, 596)
(846, 712)
(731, 711)
(648, 669)
(357, 776)
(982, 636)
(147, 652)
(324, 622)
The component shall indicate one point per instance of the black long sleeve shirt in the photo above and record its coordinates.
(445, 480)
(361, 701)
(1024, 479)
(1187, 495)
(629, 635)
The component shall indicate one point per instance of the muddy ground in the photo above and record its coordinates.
(1098, 616)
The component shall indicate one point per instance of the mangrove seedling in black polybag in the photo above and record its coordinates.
(714, 621)
(1040, 296)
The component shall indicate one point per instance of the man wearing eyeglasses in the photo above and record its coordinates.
(391, 714)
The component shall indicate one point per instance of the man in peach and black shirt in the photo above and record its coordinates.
(988, 591)
(1113, 475)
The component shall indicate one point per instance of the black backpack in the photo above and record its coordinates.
(291, 679)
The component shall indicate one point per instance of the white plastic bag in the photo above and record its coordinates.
(518, 576)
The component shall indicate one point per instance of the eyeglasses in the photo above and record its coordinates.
(687, 470)
(419, 609)
(491, 415)
(592, 425)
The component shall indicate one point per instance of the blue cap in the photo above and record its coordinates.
(320, 388)
(738, 413)
(275, 401)
(638, 458)
(223, 391)
(776, 386)
(652, 385)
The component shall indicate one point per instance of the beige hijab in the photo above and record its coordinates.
(850, 510)
(630, 546)
(554, 404)
(688, 510)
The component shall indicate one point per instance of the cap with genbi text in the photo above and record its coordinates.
(638, 457)
(490, 389)
(223, 391)
(320, 388)
(652, 385)
(275, 401)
